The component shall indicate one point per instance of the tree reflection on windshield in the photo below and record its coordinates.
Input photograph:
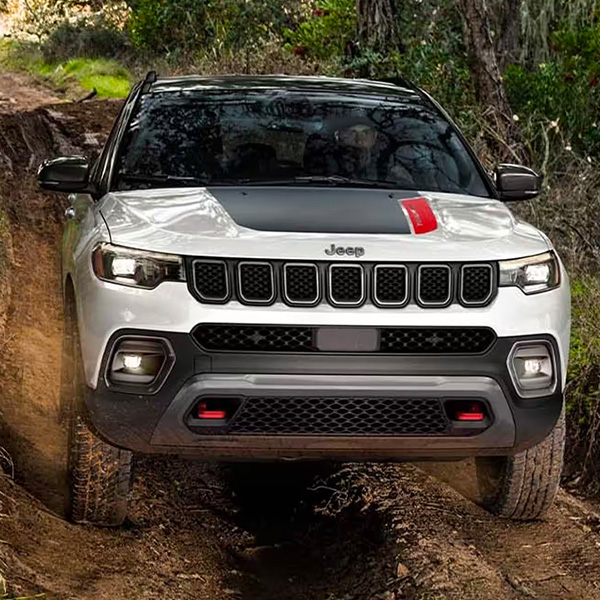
(291, 136)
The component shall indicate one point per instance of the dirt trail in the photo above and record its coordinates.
(256, 532)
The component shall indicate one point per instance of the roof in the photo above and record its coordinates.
(271, 82)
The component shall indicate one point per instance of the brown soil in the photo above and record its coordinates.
(257, 532)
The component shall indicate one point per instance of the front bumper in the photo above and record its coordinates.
(159, 423)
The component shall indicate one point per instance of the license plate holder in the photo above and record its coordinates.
(347, 339)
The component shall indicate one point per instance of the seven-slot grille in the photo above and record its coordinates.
(301, 339)
(334, 415)
(341, 284)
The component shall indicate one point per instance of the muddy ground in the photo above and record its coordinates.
(256, 532)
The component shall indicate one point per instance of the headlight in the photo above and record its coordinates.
(136, 267)
(532, 274)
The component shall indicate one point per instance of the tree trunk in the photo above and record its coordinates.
(489, 88)
(377, 24)
(480, 47)
(507, 26)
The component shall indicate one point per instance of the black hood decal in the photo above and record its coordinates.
(316, 210)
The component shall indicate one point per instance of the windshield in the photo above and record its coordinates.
(282, 137)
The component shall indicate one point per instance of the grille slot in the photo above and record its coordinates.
(301, 283)
(434, 285)
(346, 285)
(404, 340)
(332, 415)
(248, 338)
(211, 281)
(256, 282)
(391, 285)
(477, 284)
(392, 340)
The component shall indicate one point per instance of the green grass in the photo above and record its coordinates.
(110, 79)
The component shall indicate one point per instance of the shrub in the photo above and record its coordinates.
(564, 91)
(326, 33)
(84, 40)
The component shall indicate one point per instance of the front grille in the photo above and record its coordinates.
(248, 338)
(342, 284)
(391, 285)
(301, 283)
(256, 282)
(332, 415)
(476, 284)
(391, 340)
(404, 340)
(210, 280)
(434, 286)
(346, 285)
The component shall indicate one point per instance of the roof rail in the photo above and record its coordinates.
(150, 78)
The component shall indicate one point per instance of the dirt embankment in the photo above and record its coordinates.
(270, 532)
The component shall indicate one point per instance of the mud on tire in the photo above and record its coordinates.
(99, 474)
(100, 477)
(523, 486)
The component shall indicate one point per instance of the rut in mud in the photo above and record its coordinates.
(257, 532)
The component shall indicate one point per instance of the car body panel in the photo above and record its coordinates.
(193, 222)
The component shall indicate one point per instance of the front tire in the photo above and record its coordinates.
(523, 486)
(99, 474)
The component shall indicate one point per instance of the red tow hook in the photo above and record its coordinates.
(473, 412)
(205, 413)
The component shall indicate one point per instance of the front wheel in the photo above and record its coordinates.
(523, 486)
(99, 474)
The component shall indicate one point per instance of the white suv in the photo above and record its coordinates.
(263, 268)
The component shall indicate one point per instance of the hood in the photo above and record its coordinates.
(303, 222)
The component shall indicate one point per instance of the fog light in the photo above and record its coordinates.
(531, 367)
(132, 362)
(137, 361)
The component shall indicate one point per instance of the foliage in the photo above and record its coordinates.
(201, 27)
(77, 40)
(583, 390)
(564, 91)
(326, 33)
(163, 27)
(110, 79)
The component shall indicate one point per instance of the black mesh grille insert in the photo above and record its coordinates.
(210, 280)
(256, 282)
(248, 338)
(302, 283)
(392, 340)
(390, 285)
(346, 284)
(476, 283)
(340, 416)
(434, 284)
(404, 340)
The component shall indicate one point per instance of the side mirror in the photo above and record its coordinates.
(65, 174)
(515, 182)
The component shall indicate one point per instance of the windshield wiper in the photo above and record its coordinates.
(341, 180)
(332, 180)
(163, 179)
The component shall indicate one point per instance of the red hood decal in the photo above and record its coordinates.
(420, 215)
